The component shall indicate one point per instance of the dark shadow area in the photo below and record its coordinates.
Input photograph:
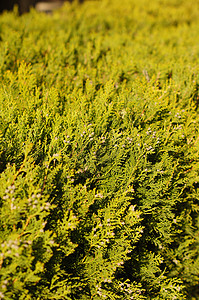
(6, 5)
(24, 5)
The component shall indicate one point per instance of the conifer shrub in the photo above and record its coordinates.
(99, 152)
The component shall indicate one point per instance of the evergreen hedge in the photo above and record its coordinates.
(99, 149)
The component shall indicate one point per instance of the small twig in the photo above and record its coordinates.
(25, 226)
(146, 75)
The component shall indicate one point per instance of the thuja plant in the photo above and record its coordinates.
(25, 244)
(99, 152)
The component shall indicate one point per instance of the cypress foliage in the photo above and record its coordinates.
(99, 152)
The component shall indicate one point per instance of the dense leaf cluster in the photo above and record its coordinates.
(99, 148)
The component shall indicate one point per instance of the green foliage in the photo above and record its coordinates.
(99, 149)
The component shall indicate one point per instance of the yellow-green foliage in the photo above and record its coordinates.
(99, 151)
